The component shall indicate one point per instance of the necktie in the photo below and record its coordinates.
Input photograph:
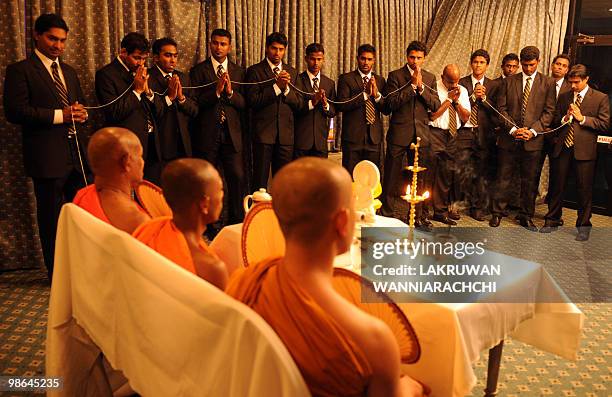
(276, 70)
(525, 99)
(315, 84)
(452, 120)
(221, 110)
(369, 106)
(474, 113)
(569, 138)
(61, 90)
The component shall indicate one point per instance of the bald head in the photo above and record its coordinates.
(307, 193)
(186, 182)
(109, 148)
(451, 72)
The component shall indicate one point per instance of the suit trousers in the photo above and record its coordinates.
(560, 168)
(525, 162)
(223, 155)
(265, 155)
(51, 194)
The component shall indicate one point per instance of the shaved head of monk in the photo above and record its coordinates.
(193, 189)
(115, 157)
(115, 152)
(312, 199)
(450, 76)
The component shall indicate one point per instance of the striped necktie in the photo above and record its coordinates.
(221, 111)
(452, 120)
(569, 138)
(63, 93)
(315, 84)
(525, 99)
(474, 112)
(369, 106)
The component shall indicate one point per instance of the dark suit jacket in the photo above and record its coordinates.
(204, 133)
(486, 115)
(271, 115)
(409, 110)
(354, 126)
(128, 112)
(565, 87)
(539, 113)
(312, 126)
(173, 121)
(596, 108)
(30, 99)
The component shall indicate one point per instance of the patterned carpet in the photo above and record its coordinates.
(525, 371)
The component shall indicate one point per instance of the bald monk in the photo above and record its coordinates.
(115, 157)
(339, 349)
(194, 192)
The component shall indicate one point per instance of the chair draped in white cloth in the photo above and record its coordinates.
(169, 332)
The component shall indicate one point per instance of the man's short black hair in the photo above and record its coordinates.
(510, 57)
(160, 43)
(480, 53)
(314, 47)
(416, 46)
(221, 33)
(135, 41)
(530, 53)
(47, 21)
(276, 37)
(366, 48)
(578, 70)
(562, 56)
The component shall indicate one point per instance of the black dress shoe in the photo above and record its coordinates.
(528, 224)
(454, 215)
(444, 219)
(549, 228)
(477, 215)
(419, 225)
(582, 236)
(495, 221)
(426, 222)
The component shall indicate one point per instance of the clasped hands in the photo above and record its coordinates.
(224, 84)
(283, 79)
(417, 78)
(523, 134)
(75, 112)
(319, 96)
(574, 111)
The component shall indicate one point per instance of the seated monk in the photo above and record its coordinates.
(339, 349)
(115, 157)
(194, 192)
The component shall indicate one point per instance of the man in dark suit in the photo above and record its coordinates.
(42, 94)
(558, 69)
(588, 113)
(527, 102)
(136, 109)
(410, 109)
(272, 104)
(312, 118)
(476, 149)
(217, 132)
(362, 128)
(172, 119)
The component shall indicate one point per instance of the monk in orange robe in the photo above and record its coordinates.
(339, 349)
(115, 157)
(194, 192)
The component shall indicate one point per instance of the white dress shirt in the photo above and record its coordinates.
(464, 100)
(58, 114)
(366, 96)
(277, 89)
(558, 85)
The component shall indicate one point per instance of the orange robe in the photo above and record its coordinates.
(163, 236)
(330, 361)
(88, 199)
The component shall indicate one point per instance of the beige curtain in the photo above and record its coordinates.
(451, 28)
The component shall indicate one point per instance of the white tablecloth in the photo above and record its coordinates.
(452, 336)
(169, 332)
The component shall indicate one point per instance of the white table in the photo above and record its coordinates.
(453, 335)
